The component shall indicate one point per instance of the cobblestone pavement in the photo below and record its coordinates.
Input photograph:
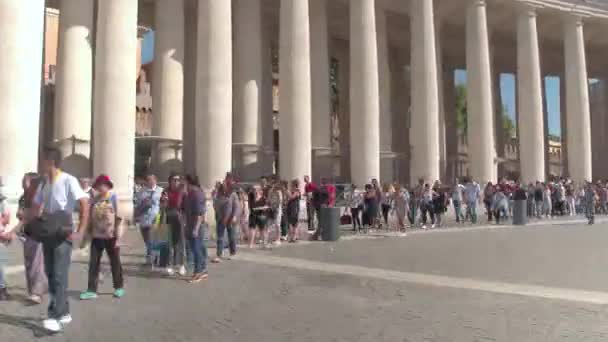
(536, 283)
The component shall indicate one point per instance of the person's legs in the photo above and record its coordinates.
(62, 255)
(177, 244)
(231, 239)
(424, 209)
(145, 235)
(431, 214)
(49, 267)
(221, 228)
(252, 235)
(472, 207)
(95, 253)
(114, 256)
(353, 214)
(385, 209)
(37, 283)
(195, 247)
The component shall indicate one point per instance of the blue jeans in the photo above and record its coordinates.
(2, 262)
(57, 258)
(458, 211)
(472, 211)
(198, 247)
(145, 235)
(221, 228)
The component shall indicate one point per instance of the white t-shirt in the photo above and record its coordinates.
(471, 192)
(62, 194)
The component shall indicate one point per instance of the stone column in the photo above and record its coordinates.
(364, 93)
(248, 73)
(74, 85)
(441, 98)
(321, 102)
(189, 106)
(114, 100)
(266, 134)
(424, 131)
(481, 148)
(214, 91)
(530, 104)
(451, 125)
(295, 91)
(21, 37)
(563, 124)
(168, 84)
(577, 101)
(387, 160)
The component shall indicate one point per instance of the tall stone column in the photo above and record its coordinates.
(168, 84)
(248, 73)
(424, 131)
(364, 93)
(387, 160)
(114, 100)
(321, 105)
(266, 134)
(295, 91)
(21, 37)
(481, 148)
(451, 124)
(214, 91)
(577, 101)
(530, 104)
(441, 98)
(189, 106)
(74, 86)
(563, 124)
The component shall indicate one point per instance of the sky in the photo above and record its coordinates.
(147, 48)
(507, 94)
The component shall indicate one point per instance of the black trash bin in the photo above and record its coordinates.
(520, 212)
(329, 223)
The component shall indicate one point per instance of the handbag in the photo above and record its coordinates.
(50, 227)
(345, 219)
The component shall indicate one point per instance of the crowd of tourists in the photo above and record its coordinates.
(426, 205)
(175, 226)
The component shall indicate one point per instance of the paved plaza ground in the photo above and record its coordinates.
(546, 282)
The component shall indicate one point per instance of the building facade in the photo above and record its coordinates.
(365, 87)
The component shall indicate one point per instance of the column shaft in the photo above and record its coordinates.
(530, 104)
(248, 73)
(577, 101)
(364, 93)
(384, 85)
(321, 110)
(74, 85)
(114, 100)
(295, 91)
(189, 106)
(481, 148)
(168, 83)
(424, 131)
(21, 37)
(214, 91)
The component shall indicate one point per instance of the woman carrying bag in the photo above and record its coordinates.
(106, 231)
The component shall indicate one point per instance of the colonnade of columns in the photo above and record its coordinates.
(199, 82)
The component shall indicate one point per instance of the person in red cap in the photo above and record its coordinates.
(106, 232)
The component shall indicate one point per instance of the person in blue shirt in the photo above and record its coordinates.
(147, 207)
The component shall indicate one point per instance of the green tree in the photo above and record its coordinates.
(508, 125)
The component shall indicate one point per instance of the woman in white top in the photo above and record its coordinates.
(386, 200)
(355, 204)
(401, 201)
(276, 205)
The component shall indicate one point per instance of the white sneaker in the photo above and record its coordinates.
(423, 226)
(432, 226)
(182, 271)
(170, 271)
(52, 325)
(67, 319)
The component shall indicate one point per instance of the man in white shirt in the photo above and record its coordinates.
(472, 192)
(457, 201)
(59, 192)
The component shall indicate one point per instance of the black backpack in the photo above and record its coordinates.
(50, 227)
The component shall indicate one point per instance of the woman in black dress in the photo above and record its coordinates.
(370, 201)
(293, 210)
(260, 212)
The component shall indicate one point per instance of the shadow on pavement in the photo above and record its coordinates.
(28, 323)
